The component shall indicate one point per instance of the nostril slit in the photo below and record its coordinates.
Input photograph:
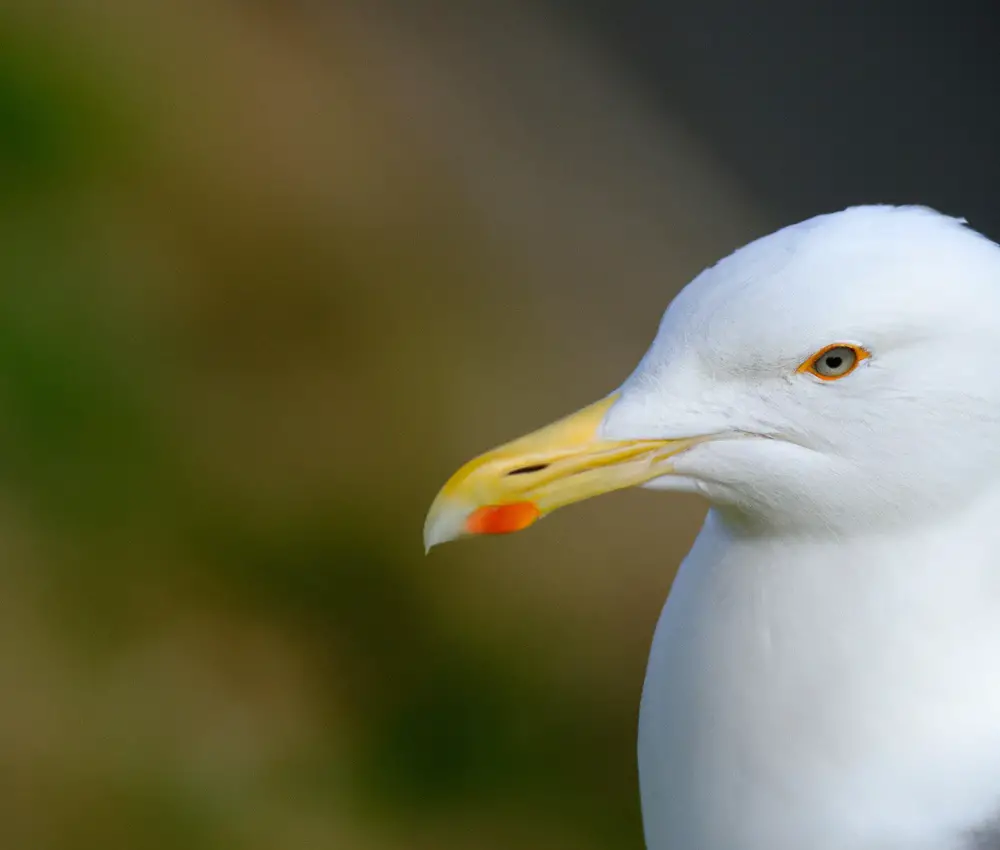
(524, 470)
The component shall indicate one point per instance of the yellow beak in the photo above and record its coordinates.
(509, 488)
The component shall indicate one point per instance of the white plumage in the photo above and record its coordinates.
(826, 672)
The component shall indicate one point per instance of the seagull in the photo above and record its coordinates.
(825, 674)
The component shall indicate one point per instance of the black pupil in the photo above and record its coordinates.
(834, 362)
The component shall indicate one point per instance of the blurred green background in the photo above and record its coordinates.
(269, 272)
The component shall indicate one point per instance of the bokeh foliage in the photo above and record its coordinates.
(224, 362)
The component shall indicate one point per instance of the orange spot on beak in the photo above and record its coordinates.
(502, 519)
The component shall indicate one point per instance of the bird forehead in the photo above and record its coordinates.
(860, 275)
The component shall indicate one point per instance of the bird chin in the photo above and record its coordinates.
(673, 483)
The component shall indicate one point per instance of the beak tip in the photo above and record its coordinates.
(445, 522)
(430, 541)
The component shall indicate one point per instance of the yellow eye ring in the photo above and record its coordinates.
(835, 361)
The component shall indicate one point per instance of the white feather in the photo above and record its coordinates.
(826, 672)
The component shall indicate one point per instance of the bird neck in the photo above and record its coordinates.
(882, 579)
(789, 677)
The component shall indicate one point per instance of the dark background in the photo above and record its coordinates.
(271, 271)
(819, 106)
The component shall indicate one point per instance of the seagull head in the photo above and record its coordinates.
(839, 375)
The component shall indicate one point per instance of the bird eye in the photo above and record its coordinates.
(835, 361)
